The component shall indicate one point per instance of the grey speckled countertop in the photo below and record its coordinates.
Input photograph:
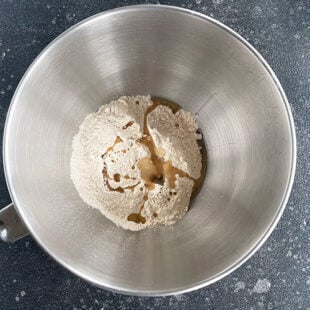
(277, 276)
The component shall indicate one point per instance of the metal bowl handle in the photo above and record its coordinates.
(11, 226)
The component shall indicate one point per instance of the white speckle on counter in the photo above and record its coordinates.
(3, 55)
(257, 11)
(179, 297)
(54, 21)
(48, 6)
(70, 17)
(261, 286)
(218, 1)
(297, 36)
(239, 286)
(22, 294)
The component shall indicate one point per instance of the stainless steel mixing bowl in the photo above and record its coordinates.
(178, 55)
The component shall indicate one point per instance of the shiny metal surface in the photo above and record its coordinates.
(11, 226)
(189, 59)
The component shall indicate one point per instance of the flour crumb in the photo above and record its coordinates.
(262, 286)
(239, 286)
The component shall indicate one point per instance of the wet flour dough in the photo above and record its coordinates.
(137, 161)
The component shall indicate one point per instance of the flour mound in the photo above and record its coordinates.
(106, 153)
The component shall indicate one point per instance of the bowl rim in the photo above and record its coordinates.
(234, 265)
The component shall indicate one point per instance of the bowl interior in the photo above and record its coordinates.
(182, 57)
